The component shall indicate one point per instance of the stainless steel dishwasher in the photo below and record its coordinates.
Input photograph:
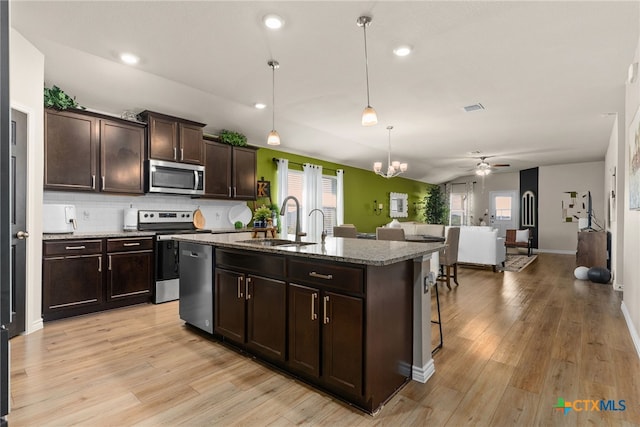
(196, 285)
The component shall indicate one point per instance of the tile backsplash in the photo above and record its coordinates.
(101, 212)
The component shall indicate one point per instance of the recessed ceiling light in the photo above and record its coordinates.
(129, 58)
(273, 21)
(260, 105)
(402, 50)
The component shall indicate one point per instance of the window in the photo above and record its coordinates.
(503, 208)
(457, 209)
(329, 200)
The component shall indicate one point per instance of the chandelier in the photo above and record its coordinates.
(394, 168)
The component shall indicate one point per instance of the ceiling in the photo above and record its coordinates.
(547, 74)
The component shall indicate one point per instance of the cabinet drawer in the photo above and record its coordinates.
(253, 262)
(72, 247)
(338, 277)
(129, 244)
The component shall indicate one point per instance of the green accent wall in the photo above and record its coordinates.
(361, 188)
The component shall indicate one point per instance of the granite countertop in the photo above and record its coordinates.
(121, 233)
(356, 251)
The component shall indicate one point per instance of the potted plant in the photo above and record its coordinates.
(232, 138)
(435, 209)
(260, 216)
(55, 98)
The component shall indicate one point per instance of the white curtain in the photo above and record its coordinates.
(340, 197)
(471, 207)
(447, 200)
(312, 199)
(283, 190)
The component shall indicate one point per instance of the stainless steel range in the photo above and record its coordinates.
(167, 268)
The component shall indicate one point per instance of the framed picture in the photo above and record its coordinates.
(633, 135)
(264, 189)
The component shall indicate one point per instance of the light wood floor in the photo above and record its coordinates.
(514, 344)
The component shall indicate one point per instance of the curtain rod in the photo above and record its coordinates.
(275, 160)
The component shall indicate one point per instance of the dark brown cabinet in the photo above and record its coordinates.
(70, 151)
(230, 172)
(89, 152)
(174, 139)
(72, 278)
(251, 309)
(330, 325)
(592, 249)
(80, 277)
(129, 268)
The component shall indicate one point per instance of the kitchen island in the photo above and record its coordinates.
(349, 316)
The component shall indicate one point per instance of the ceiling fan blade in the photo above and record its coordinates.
(501, 165)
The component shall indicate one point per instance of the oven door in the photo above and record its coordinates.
(167, 270)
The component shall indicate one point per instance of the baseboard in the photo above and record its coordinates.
(554, 251)
(422, 374)
(632, 329)
(35, 326)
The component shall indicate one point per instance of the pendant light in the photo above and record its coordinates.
(274, 137)
(394, 168)
(369, 116)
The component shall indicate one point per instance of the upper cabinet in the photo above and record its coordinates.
(90, 152)
(230, 171)
(173, 139)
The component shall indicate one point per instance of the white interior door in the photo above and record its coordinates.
(504, 210)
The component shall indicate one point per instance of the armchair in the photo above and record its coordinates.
(519, 239)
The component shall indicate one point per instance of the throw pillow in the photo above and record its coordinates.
(522, 236)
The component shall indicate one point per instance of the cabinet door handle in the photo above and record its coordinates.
(100, 264)
(321, 276)
(93, 182)
(229, 191)
(326, 317)
(234, 192)
(240, 294)
(175, 153)
(131, 244)
(314, 297)
(109, 263)
(181, 153)
(103, 183)
(247, 287)
(71, 248)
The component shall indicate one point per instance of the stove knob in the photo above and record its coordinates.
(188, 215)
(152, 215)
(146, 215)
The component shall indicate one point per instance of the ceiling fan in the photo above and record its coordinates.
(483, 167)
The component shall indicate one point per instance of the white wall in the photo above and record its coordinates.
(614, 200)
(507, 181)
(26, 85)
(554, 235)
(631, 274)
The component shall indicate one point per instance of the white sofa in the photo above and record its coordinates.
(481, 245)
(420, 228)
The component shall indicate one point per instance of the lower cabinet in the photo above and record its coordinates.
(326, 326)
(81, 276)
(250, 310)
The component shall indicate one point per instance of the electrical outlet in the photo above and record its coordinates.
(217, 216)
(85, 215)
(618, 287)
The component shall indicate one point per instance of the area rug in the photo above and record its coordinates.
(518, 263)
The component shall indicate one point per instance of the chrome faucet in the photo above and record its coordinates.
(299, 232)
(324, 233)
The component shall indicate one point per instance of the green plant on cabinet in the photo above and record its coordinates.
(57, 99)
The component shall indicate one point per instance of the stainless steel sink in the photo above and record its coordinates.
(275, 242)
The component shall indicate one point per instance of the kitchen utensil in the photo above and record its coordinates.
(198, 219)
(240, 213)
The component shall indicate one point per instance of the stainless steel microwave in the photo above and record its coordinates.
(175, 178)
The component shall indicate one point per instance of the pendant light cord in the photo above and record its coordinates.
(273, 96)
(366, 61)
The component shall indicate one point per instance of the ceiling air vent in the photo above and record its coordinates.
(473, 107)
